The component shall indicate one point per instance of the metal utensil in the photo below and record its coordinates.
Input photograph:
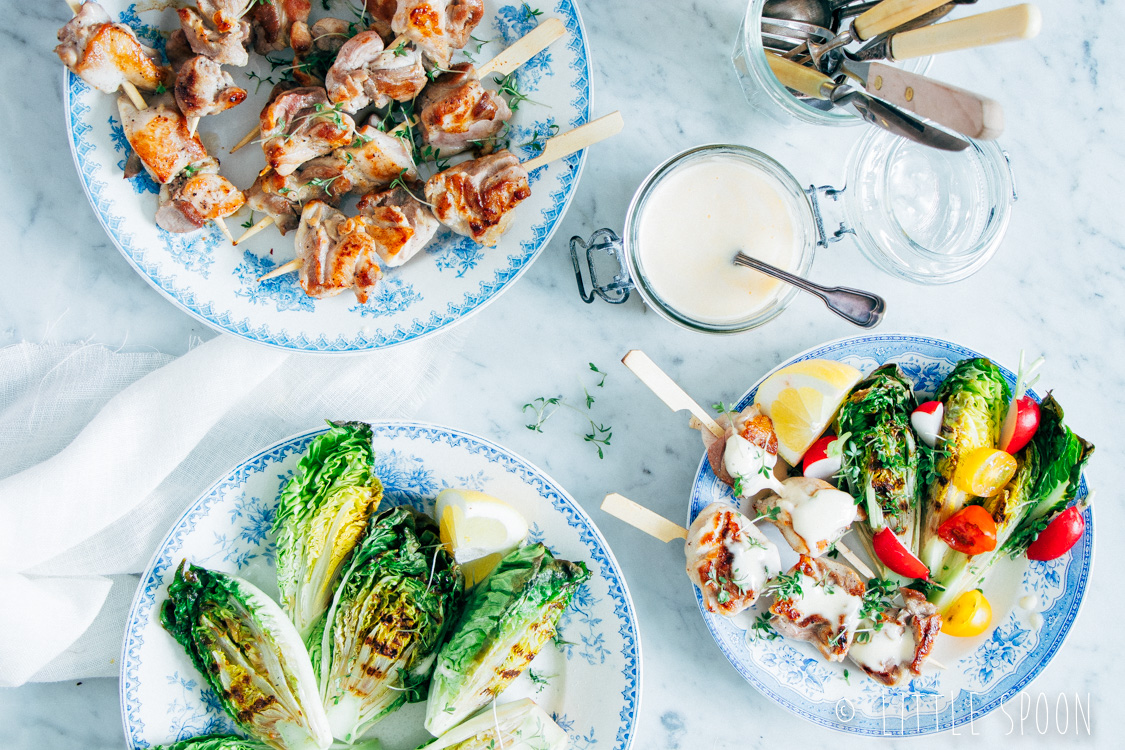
(887, 15)
(783, 35)
(864, 309)
(812, 82)
(808, 11)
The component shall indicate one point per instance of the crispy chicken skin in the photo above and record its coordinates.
(437, 27)
(301, 124)
(159, 137)
(273, 22)
(204, 88)
(195, 196)
(728, 559)
(900, 646)
(476, 198)
(826, 612)
(224, 47)
(400, 225)
(456, 110)
(106, 54)
(365, 73)
(335, 254)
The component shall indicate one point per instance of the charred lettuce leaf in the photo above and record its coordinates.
(321, 516)
(519, 725)
(392, 609)
(507, 620)
(250, 655)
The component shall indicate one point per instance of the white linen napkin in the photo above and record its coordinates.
(100, 453)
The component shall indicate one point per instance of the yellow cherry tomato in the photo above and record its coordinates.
(984, 472)
(970, 615)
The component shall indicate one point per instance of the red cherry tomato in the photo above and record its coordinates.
(1059, 536)
(895, 556)
(1020, 424)
(970, 530)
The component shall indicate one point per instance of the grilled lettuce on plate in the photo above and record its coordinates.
(507, 620)
(880, 454)
(520, 725)
(321, 516)
(250, 655)
(234, 742)
(1046, 482)
(975, 396)
(391, 610)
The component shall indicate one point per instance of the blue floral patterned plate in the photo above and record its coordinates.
(1034, 603)
(589, 682)
(452, 278)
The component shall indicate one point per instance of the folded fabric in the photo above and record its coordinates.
(108, 449)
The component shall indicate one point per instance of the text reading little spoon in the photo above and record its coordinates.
(861, 308)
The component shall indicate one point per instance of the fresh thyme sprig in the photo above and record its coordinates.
(599, 435)
(510, 85)
(249, 222)
(259, 80)
(536, 145)
(785, 586)
(763, 628)
(530, 13)
(400, 182)
(543, 411)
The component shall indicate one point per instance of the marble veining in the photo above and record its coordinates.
(1056, 286)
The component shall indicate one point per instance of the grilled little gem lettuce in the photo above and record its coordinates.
(250, 655)
(394, 604)
(321, 516)
(507, 620)
(520, 725)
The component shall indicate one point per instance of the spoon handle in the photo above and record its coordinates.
(860, 308)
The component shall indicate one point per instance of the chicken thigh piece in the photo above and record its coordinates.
(106, 54)
(273, 21)
(476, 198)
(301, 124)
(898, 644)
(437, 27)
(811, 514)
(204, 38)
(819, 601)
(457, 110)
(204, 88)
(365, 73)
(335, 254)
(729, 559)
(159, 137)
(399, 223)
(197, 195)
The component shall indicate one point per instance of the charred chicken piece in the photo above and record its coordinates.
(195, 196)
(746, 455)
(273, 22)
(335, 254)
(811, 514)
(224, 15)
(204, 38)
(283, 197)
(301, 124)
(819, 601)
(457, 110)
(204, 88)
(729, 559)
(106, 54)
(900, 642)
(366, 73)
(476, 198)
(329, 34)
(382, 13)
(373, 161)
(437, 27)
(159, 137)
(398, 222)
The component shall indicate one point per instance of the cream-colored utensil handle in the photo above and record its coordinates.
(667, 390)
(809, 81)
(890, 14)
(957, 109)
(1003, 25)
(577, 139)
(524, 48)
(640, 517)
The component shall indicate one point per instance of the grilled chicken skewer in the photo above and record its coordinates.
(108, 55)
(739, 451)
(476, 198)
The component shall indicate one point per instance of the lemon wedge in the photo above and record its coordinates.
(802, 400)
(478, 530)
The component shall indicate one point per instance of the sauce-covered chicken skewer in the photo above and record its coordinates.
(477, 197)
(742, 451)
(108, 55)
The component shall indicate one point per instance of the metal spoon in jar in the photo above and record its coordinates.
(861, 308)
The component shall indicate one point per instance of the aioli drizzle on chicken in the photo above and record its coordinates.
(820, 604)
(902, 642)
(746, 455)
(728, 559)
(811, 514)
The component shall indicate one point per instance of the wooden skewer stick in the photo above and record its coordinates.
(129, 89)
(667, 390)
(192, 124)
(642, 518)
(577, 139)
(290, 267)
(223, 228)
(246, 139)
(262, 224)
(524, 48)
(857, 563)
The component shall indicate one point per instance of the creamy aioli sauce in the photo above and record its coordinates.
(831, 602)
(694, 222)
(820, 518)
(753, 564)
(744, 459)
(1029, 602)
(890, 645)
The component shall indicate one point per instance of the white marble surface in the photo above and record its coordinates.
(1057, 286)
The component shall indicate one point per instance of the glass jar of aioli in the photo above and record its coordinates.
(766, 94)
(920, 214)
